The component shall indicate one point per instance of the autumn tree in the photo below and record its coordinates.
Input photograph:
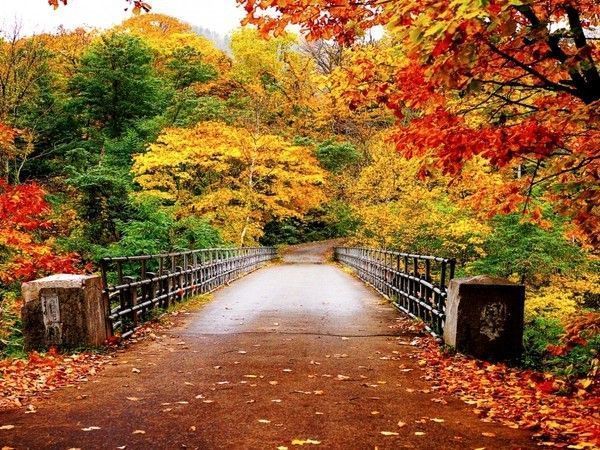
(26, 250)
(24, 78)
(277, 82)
(515, 82)
(397, 210)
(166, 35)
(236, 179)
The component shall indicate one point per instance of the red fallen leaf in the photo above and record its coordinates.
(113, 340)
(546, 387)
(557, 350)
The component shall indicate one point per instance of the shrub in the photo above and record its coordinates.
(570, 351)
(336, 157)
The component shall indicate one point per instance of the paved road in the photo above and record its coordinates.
(298, 350)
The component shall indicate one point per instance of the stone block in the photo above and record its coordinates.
(484, 317)
(65, 311)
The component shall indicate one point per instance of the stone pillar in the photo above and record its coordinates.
(66, 311)
(484, 317)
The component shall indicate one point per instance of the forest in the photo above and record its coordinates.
(441, 137)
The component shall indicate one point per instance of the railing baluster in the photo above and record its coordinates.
(178, 276)
(416, 284)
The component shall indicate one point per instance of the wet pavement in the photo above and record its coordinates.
(296, 353)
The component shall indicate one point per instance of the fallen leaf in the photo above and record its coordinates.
(390, 433)
(419, 433)
(90, 428)
(139, 432)
(488, 434)
(305, 441)
(7, 427)
(264, 421)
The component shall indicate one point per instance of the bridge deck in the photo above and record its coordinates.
(298, 350)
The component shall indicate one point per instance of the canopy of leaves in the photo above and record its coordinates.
(236, 179)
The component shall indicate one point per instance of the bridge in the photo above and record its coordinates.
(299, 352)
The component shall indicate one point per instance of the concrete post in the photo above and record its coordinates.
(66, 311)
(484, 317)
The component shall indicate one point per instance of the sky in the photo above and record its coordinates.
(34, 16)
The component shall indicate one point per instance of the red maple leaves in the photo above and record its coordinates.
(24, 219)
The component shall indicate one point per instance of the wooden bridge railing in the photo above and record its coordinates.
(416, 284)
(135, 286)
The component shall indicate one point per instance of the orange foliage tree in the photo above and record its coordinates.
(517, 83)
(24, 252)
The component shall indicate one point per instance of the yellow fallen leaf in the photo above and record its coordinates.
(139, 432)
(488, 434)
(435, 419)
(133, 399)
(401, 424)
(305, 441)
(7, 427)
(419, 433)
(264, 421)
(90, 428)
(134, 370)
(389, 433)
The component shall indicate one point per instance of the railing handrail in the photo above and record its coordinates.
(397, 253)
(175, 254)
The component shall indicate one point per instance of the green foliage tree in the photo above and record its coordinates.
(102, 203)
(526, 250)
(115, 84)
(154, 230)
(335, 157)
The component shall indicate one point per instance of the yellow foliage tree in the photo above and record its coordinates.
(165, 35)
(237, 180)
(277, 79)
(399, 211)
